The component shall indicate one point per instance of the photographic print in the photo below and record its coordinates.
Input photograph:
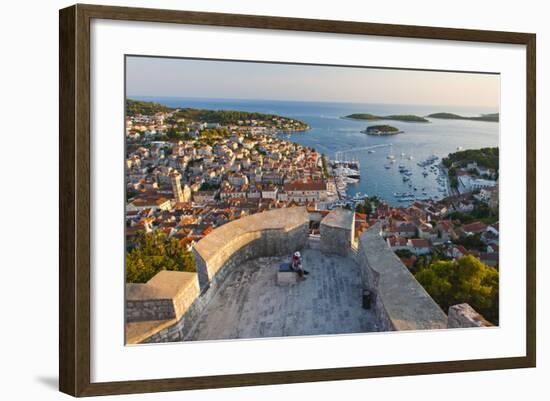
(272, 200)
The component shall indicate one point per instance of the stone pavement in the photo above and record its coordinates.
(251, 305)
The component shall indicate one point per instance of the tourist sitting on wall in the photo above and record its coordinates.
(296, 264)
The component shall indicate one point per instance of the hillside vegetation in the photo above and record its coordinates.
(396, 117)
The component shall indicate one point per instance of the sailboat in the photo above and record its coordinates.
(390, 155)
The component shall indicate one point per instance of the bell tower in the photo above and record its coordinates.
(175, 178)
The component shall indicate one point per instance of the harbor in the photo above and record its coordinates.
(425, 179)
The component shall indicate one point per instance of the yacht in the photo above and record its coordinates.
(349, 180)
(406, 199)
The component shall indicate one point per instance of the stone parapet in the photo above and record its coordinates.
(272, 233)
(159, 303)
(167, 295)
(463, 315)
(337, 231)
(400, 302)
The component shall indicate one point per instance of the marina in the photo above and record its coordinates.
(348, 173)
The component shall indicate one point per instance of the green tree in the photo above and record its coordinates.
(464, 280)
(472, 242)
(365, 207)
(324, 165)
(153, 252)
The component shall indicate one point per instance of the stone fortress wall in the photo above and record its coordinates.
(156, 310)
(167, 307)
(337, 232)
(154, 315)
(273, 233)
(463, 315)
(400, 302)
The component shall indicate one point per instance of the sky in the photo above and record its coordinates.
(152, 76)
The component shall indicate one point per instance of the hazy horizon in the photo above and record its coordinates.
(259, 81)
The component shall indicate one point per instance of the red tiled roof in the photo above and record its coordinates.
(306, 186)
(474, 227)
(420, 243)
(446, 225)
(409, 262)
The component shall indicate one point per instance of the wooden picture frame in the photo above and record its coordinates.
(74, 199)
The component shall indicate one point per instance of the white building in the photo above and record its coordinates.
(468, 184)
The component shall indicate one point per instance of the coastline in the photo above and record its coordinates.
(328, 135)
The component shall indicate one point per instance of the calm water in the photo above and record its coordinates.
(330, 133)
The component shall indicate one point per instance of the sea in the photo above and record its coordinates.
(335, 136)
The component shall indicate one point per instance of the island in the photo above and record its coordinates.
(395, 117)
(382, 130)
(492, 117)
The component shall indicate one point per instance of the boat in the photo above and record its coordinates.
(390, 155)
(349, 180)
(387, 167)
(347, 172)
(371, 151)
(429, 161)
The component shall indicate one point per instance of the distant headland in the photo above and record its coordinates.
(382, 130)
(396, 117)
(218, 117)
(493, 117)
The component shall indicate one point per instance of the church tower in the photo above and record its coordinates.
(175, 179)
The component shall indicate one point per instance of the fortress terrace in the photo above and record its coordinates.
(352, 287)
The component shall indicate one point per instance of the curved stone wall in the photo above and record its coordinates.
(400, 302)
(271, 233)
(166, 307)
